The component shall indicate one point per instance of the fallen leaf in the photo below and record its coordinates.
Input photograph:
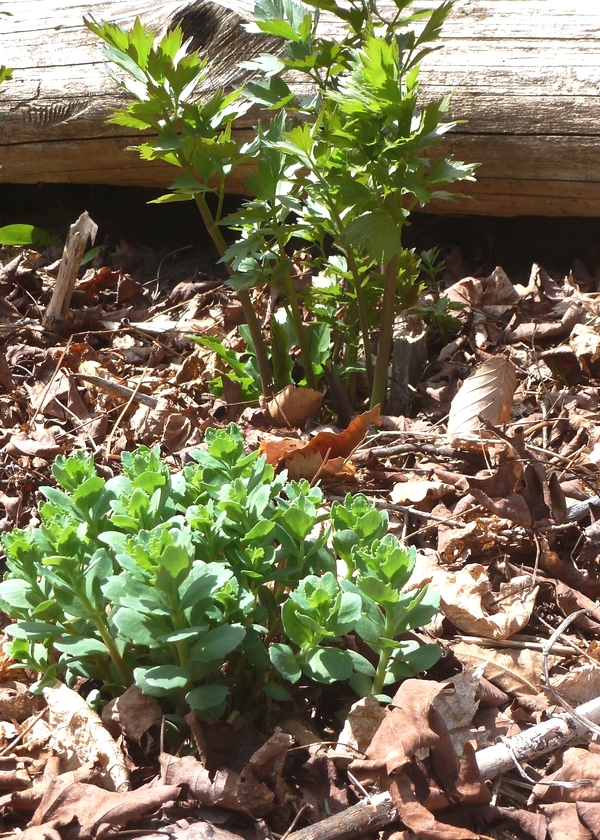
(78, 732)
(293, 406)
(133, 713)
(325, 454)
(577, 764)
(96, 811)
(488, 394)
(514, 671)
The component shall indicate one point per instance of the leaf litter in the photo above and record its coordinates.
(501, 499)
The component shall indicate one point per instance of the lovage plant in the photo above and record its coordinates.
(211, 588)
(358, 147)
(338, 168)
(195, 136)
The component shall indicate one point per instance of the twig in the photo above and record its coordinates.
(561, 650)
(50, 381)
(118, 390)
(581, 718)
(124, 411)
(581, 509)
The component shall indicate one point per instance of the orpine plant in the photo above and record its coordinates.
(212, 588)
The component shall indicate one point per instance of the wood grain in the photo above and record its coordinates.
(525, 74)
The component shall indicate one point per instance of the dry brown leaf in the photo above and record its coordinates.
(133, 713)
(468, 602)
(417, 818)
(80, 737)
(325, 454)
(415, 491)
(580, 684)
(514, 671)
(94, 810)
(577, 764)
(256, 790)
(564, 823)
(411, 723)
(458, 708)
(361, 724)
(487, 393)
(293, 406)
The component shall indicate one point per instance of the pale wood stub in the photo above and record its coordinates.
(525, 75)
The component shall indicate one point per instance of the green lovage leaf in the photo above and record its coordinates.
(77, 647)
(288, 19)
(356, 522)
(35, 631)
(140, 628)
(200, 587)
(300, 624)
(74, 471)
(416, 609)
(411, 658)
(371, 624)
(389, 561)
(377, 234)
(18, 598)
(26, 235)
(276, 692)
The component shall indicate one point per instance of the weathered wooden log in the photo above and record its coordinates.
(525, 76)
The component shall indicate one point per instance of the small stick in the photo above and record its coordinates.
(117, 390)
(58, 308)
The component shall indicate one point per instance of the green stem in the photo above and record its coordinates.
(386, 329)
(384, 658)
(256, 335)
(100, 624)
(300, 331)
(362, 312)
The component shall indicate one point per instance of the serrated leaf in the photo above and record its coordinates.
(377, 234)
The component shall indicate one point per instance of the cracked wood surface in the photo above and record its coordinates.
(525, 75)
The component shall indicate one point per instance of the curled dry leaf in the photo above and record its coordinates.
(469, 603)
(95, 811)
(418, 491)
(577, 764)
(325, 454)
(133, 713)
(78, 733)
(293, 406)
(488, 394)
(517, 672)
(361, 724)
